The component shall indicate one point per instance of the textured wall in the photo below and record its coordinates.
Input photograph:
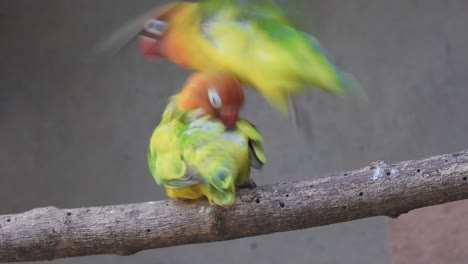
(74, 133)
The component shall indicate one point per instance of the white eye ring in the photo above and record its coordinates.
(156, 27)
(215, 100)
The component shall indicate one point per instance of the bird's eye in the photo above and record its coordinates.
(156, 27)
(215, 100)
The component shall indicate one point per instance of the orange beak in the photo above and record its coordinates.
(229, 117)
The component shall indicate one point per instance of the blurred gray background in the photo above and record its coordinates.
(74, 132)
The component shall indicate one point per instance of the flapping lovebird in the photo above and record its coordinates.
(202, 148)
(253, 40)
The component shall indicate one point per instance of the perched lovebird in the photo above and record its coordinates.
(252, 40)
(202, 147)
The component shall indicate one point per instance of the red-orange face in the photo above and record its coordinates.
(217, 94)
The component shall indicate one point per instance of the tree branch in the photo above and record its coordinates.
(380, 189)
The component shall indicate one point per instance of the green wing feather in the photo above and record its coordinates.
(256, 151)
(244, 9)
(164, 152)
(212, 157)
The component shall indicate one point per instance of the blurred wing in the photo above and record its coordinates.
(300, 117)
(243, 9)
(257, 34)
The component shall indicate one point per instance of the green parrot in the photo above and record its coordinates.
(201, 147)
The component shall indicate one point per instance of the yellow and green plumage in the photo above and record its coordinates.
(194, 156)
(254, 41)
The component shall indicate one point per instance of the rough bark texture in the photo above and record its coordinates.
(380, 189)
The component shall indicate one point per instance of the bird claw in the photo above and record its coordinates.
(250, 184)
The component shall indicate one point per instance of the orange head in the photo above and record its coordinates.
(155, 30)
(217, 94)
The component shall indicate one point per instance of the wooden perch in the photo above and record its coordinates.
(380, 189)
